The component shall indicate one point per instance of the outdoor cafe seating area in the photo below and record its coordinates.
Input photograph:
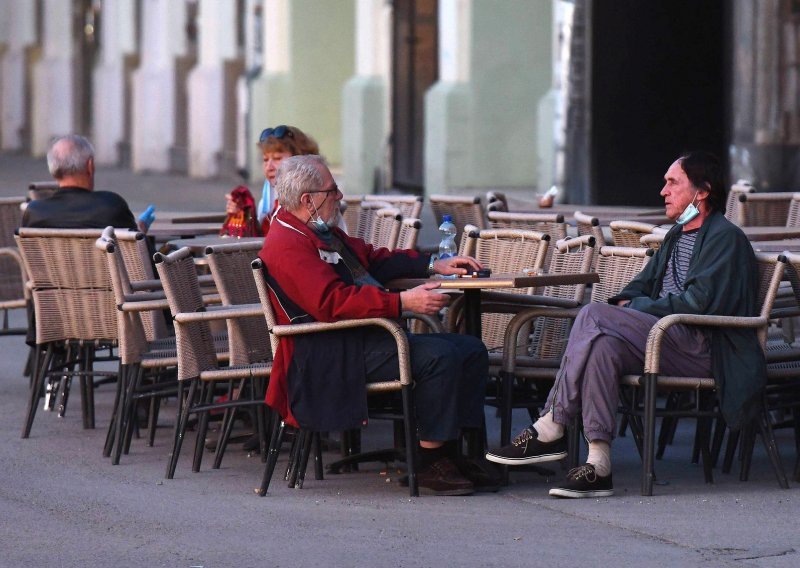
(192, 326)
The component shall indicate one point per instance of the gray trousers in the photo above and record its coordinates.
(606, 342)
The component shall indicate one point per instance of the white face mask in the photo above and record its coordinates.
(689, 213)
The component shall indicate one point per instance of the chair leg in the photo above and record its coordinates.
(506, 406)
(574, 442)
(225, 429)
(318, 469)
(37, 385)
(115, 413)
(410, 422)
(746, 451)
(184, 408)
(295, 457)
(276, 440)
(304, 455)
(202, 429)
(648, 472)
(152, 419)
(730, 450)
(127, 410)
(772, 449)
(719, 436)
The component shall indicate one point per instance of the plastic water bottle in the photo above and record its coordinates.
(447, 246)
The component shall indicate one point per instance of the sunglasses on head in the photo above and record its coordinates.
(280, 131)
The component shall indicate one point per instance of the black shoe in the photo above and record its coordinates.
(251, 444)
(443, 478)
(584, 482)
(526, 449)
(483, 475)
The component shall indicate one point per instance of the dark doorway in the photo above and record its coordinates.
(414, 69)
(658, 88)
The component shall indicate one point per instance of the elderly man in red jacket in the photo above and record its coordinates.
(316, 272)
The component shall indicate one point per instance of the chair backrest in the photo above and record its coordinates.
(409, 233)
(616, 267)
(793, 217)
(42, 189)
(462, 209)
(496, 201)
(12, 277)
(629, 233)
(506, 251)
(139, 267)
(652, 240)
(71, 285)
(351, 209)
(464, 240)
(549, 223)
(230, 266)
(732, 202)
(385, 229)
(194, 340)
(367, 214)
(547, 337)
(764, 209)
(409, 205)
(588, 225)
(263, 295)
(771, 268)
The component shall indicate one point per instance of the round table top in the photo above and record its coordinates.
(198, 244)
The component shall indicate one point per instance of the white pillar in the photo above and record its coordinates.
(365, 101)
(217, 41)
(108, 100)
(153, 121)
(53, 78)
(20, 32)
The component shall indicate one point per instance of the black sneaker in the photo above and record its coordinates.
(526, 449)
(484, 476)
(582, 482)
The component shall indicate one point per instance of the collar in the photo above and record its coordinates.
(288, 220)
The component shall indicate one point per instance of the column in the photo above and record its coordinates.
(19, 33)
(53, 111)
(206, 93)
(109, 105)
(309, 54)
(365, 111)
(481, 116)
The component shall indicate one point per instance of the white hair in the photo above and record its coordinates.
(69, 155)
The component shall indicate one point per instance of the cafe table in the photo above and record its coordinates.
(791, 245)
(198, 244)
(164, 230)
(472, 287)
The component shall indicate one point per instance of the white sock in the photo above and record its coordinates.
(600, 457)
(548, 430)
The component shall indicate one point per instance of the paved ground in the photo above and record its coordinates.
(63, 504)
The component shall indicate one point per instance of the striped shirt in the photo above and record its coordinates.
(678, 264)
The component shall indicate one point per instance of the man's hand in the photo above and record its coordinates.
(422, 300)
(456, 265)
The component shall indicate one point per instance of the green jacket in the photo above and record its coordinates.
(722, 280)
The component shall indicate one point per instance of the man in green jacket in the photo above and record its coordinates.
(705, 265)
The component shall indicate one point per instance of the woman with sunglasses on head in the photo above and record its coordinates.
(276, 144)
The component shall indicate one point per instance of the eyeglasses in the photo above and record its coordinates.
(334, 190)
(280, 131)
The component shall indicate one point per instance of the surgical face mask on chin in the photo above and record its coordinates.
(689, 213)
(319, 224)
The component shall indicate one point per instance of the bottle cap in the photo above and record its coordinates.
(447, 219)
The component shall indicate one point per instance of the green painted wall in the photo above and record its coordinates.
(482, 134)
(322, 48)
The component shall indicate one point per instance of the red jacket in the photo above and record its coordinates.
(316, 379)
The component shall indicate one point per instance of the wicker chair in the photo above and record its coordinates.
(496, 201)
(384, 230)
(404, 384)
(13, 292)
(643, 409)
(351, 208)
(537, 356)
(504, 251)
(409, 233)
(367, 215)
(463, 210)
(197, 359)
(653, 240)
(630, 233)
(409, 205)
(75, 315)
(249, 337)
(764, 209)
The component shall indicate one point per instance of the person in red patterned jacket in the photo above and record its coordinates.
(316, 272)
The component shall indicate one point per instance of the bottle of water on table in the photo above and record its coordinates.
(447, 231)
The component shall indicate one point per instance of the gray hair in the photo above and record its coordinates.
(69, 155)
(298, 175)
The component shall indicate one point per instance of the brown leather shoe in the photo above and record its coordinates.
(443, 478)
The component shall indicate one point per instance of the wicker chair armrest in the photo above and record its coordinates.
(520, 320)
(526, 299)
(143, 305)
(652, 358)
(391, 326)
(144, 296)
(221, 312)
(14, 254)
(153, 284)
(431, 321)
